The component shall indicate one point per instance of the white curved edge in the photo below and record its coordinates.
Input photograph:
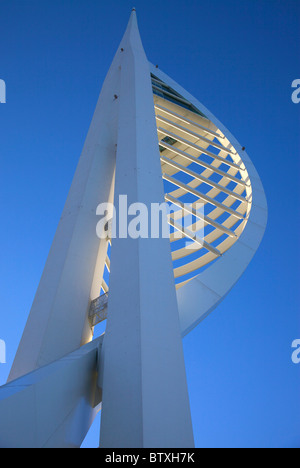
(53, 406)
(198, 298)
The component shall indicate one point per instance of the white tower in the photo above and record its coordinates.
(158, 290)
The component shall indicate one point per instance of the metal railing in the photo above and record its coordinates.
(98, 310)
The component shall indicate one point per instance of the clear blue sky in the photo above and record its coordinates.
(239, 58)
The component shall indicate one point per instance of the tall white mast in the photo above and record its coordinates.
(144, 381)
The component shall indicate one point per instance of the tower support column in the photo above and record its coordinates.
(145, 395)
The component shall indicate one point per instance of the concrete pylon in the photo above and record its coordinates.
(144, 380)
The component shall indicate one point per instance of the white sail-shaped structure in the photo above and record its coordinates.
(153, 142)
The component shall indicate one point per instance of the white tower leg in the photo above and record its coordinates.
(145, 396)
(58, 320)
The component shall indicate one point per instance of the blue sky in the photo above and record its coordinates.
(239, 59)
